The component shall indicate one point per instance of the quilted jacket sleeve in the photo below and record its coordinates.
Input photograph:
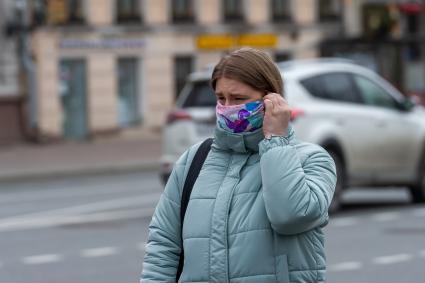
(296, 195)
(164, 241)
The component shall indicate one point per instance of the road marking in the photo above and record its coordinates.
(75, 214)
(53, 221)
(386, 216)
(346, 266)
(98, 252)
(41, 259)
(392, 259)
(344, 222)
(67, 192)
(138, 201)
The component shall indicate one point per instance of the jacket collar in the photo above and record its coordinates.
(242, 142)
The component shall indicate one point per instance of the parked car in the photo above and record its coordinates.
(375, 134)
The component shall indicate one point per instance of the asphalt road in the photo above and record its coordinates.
(93, 229)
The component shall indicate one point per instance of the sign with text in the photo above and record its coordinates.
(215, 41)
(226, 41)
(105, 43)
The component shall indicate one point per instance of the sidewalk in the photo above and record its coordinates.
(101, 156)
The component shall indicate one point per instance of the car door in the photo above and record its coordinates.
(341, 104)
(394, 134)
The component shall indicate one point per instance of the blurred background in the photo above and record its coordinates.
(88, 87)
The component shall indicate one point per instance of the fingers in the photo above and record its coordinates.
(277, 99)
(269, 105)
(275, 103)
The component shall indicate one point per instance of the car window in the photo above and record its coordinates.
(200, 95)
(373, 94)
(314, 86)
(332, 86)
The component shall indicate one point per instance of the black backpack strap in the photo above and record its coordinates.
(192, 175)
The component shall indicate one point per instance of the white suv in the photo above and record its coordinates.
(375, 135)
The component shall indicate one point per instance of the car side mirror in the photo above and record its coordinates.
(408, 104)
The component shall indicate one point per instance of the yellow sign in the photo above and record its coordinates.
(57, 11)
(258, 40)
(218, 41)
(225, 41)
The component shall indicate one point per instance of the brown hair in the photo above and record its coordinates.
(252, 67)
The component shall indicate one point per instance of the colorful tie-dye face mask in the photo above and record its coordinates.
(240, 118)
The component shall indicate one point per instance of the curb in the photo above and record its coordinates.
(100, 169)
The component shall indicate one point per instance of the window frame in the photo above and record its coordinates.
(73, 18)
(132, 18)
(335, 17)
(233, 18)
(184, 18)
(279, 18)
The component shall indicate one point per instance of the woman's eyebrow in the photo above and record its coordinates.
(231, 94)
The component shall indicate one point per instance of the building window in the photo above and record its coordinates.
(182, 11)
(282, 56)
(128, 11)
(329, 10)
(183, 66)
(65, 11)
(280, 10)
(128, 94)
(232, 10)
(73, 97)
(377, 21)
(76, 14)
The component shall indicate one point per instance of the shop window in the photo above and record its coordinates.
(182, 11)
(128, 92)
(232, 10)
(65, 11)
(128, 11)
(183, 66)
(280, 10)
(329, 10)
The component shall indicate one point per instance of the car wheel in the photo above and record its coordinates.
(340, 183)
(417, 191)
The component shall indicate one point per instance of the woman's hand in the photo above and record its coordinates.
(277, 115)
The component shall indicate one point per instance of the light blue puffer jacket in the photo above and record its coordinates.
(255, 214)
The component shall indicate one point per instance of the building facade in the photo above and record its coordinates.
(387, 36)
(104, 65)
(11, 99)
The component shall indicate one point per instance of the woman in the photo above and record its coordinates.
(257, 209)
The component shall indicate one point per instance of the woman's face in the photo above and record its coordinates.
(232, 92)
